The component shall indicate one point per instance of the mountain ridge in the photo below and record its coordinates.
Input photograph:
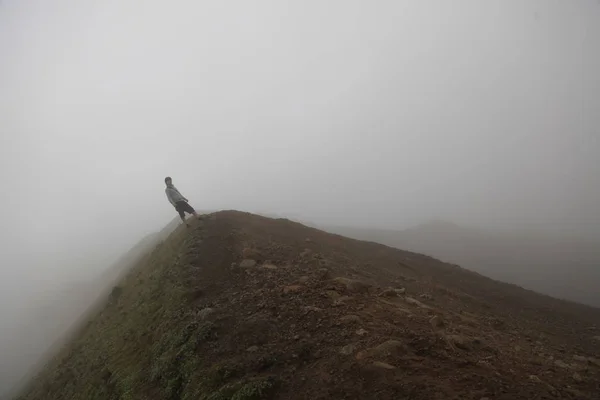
(557, 265)
(245, 307)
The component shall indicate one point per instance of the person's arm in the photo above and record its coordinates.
(170, 193)
(182, 196)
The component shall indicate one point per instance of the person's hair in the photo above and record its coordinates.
(167, 179)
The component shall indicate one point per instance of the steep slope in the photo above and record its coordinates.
(246, 307)
(557, 265)
(67, 306)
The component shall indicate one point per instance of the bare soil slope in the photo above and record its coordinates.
(245, 307)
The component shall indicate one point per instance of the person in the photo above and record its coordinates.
(178, 201)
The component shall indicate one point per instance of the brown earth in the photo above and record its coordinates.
(245, 307)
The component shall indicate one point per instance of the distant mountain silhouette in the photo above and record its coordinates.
(561, 266)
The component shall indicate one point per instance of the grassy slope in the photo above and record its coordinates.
(143, 342)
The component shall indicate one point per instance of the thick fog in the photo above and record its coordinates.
(364, 113)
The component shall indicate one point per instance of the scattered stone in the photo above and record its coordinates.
(594, 361)
(352, 285)
(269, 266)
(580, 358)
(361, 332)
(436, 322)
(389, 347)
(341, 300)
(400, 291)
(251, 254)
(577, 378)
(324, 263)
(292, 289)
(415, 302)
(347, 350)
(306, 253)
(534, 378)
(332, 294)
(248, 263)
(351, 319)
(252, 349)
(562, 364)
(205, 313)
(303, 279)
(323, 273)
(383, 365)
(308, 240)
(389, 292)
(296, 337)
(312, 308)
(596, 338)
(426, 296)
(552, 390)
(459, 341)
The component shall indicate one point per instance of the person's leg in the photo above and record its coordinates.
(190, 210)
(181, 210)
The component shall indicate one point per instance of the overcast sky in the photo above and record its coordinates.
(379, 113)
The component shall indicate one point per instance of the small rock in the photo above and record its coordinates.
(308, 240)
(517, 348)
(312, 308)
(389, 347)
(389, 292)
(248, 263)
(383, 365)
(306, 253)
(205, 313)
(361, 332)
(414, 302)
(596, 338)
(561, 364)
(252, 349)
(251, 254)
(323, 273)
(593, 361)
(351, 319)
(436, 322)
(303, 279)
(292, 289)
(426, 296)
(342, 300)
(332, 294)
(400, 291)
(347, 350)
(484, 398)
(580, 358)
(535, 379)
(459, 341)
(269, 266)
(352, 285)
(577, 378)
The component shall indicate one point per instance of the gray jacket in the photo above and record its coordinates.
(173, 195)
